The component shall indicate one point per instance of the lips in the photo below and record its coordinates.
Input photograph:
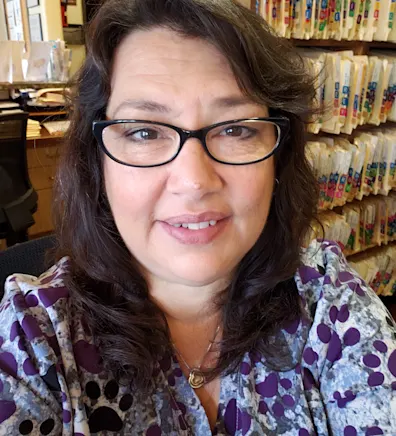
(198, 229)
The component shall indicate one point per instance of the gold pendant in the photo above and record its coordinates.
(196, 378)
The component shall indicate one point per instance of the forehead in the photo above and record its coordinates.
(160, 62)
(165, 49)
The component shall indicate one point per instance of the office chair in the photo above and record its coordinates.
(18, 199)
(26, 258)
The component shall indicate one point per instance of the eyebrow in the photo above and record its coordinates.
(232, 101)
(153, 106)
(143, 105)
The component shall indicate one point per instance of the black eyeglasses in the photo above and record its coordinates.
(139, 143)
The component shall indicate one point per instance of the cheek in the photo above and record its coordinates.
(254, 188)
(127, 189)
(117, 184)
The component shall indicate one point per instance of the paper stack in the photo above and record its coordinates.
(352, 90)
(336, 228)
(324, 19)
(358, 226)
(57, 127)
(33, 129)
(8, 105)
(11, 61)
(352, 170)
(39, 61)
(378, 269)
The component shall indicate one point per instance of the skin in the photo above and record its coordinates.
(194, 82)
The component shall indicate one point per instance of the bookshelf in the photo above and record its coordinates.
(367, 30)
(359, 47)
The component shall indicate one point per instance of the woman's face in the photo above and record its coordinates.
(160, 76)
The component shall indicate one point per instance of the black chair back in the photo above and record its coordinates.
(18, 200)
(26, 258)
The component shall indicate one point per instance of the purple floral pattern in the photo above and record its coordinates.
(52, 380)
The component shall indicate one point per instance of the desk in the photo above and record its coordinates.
(35, 85)
(43, 153)
(44, 137)
(47, 114)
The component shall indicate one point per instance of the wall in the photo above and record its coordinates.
(52, 26)
(3, 25)
(78, 57)
(51, 15)
(75, 13)
(51, 20)
(75, 16)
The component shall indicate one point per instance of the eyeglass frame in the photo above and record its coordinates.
(282, 122)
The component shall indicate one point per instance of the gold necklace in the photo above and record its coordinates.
(196, 377)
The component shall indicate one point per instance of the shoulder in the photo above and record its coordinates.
(351, 330)
(46, 291)
(33, 314)
(32, 311)
(45, 346)
(336, 297)
(350, 351)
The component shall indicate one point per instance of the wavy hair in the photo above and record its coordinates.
(105, 282)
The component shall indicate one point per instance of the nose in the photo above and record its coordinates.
(193, 173)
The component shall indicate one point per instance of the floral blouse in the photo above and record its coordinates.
(343, 381)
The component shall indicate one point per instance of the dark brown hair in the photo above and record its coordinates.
(105, 282)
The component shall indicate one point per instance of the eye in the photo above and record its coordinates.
(143, 134)
(237, 132)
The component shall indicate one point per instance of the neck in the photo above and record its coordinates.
(184, 304)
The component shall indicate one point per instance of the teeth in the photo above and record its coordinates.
(193, 226)
(196, 226)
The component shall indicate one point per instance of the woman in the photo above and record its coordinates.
(182, 303)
